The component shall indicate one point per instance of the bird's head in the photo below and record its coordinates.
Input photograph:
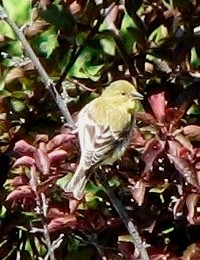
(123, 94)
(123, 90)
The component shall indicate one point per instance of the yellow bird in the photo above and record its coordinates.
(104, 128)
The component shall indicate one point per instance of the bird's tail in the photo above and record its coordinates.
(77, 183)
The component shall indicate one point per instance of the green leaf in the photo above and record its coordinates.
(195, 59)
(49, 44)
(73, 244)
(61, 182)
(94, 70)
(108, 46)
(6, 30)
(46, 42)
(19, 11)
(129, 33)
(19, 95)
(18, 105)
(128, 22)
(167, 231)
(87, 65)
(2, 212)
(60, 17)
(158, 35)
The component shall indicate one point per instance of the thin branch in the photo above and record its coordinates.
(124, 55)
(49, 84)
(42, 208)
(76, 52)
(131, 228)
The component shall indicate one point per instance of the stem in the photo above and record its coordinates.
(42, 208)
(125, 218)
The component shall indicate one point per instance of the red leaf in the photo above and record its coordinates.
(173, 114)
(59, 140)
(138, 192)
(57, 155)
(173, 147)
(68, 220)
(73, 205)
(55, 213)
(159, 253)
(70, 167)
(191, 202)
(157, 102)
(146, 118)
(41, 138)
(163, 256)
(24, 160)
(45, 184)
(184, 141)
(192, 132)
(21, 193)
(185, 168)
(42, 161)
(19, 180)
(23, 148)
(153, 148)
(127, 250)
(137, 140)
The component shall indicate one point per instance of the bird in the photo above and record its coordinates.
(105, 126)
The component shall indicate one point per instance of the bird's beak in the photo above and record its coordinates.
(137, 95)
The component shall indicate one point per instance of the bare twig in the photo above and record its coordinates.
(49, 84)
(124, 55)
(131, 228)
(42, 208)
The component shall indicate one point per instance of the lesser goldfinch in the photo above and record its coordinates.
(104, 128)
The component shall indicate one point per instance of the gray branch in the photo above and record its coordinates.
(49, 84)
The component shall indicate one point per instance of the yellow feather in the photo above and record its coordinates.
(105, 126)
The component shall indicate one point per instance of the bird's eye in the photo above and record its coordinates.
(123, 93)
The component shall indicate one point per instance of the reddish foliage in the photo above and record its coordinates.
(59, 218)
(168, 167)
(46, 163)
(169, 140)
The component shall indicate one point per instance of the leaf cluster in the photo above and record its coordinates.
(83, 46)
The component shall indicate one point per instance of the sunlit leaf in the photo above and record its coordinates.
(42, 161)
(108, 45)
(158, 105)
(192, 132)
(20, 11)
(24, 148)
(191, 203)
(24, 160)
(158, 35)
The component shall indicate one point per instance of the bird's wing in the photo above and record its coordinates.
(98, 142)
